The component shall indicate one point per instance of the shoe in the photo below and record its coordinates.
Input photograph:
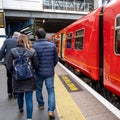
(41, 107)
(10, 96)
(21, 110)
(51, 115)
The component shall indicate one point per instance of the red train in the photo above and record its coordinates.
(92, 45)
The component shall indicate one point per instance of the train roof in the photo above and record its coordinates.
(81, 19)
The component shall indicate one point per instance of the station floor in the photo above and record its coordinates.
(73, 101)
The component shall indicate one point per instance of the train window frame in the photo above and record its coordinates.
(69, 40)
(117, 35)
(79, 45)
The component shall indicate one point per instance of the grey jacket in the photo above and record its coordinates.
(7, 45)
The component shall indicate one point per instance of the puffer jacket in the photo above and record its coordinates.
(47, 56)
(28, 84)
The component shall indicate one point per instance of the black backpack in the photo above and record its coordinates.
(22, 68)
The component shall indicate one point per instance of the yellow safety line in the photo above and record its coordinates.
(65, 105)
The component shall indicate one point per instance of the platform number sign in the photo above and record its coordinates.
(1, 20)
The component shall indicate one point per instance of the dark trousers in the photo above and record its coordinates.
(9, 82)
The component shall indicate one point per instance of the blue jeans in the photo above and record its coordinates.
(29, 102)
(49, 82)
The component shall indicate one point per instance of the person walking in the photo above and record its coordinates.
(4, 52)
(48, 58)
(24, 87)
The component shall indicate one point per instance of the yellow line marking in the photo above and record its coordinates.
(65, 105)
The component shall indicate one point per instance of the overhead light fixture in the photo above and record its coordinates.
(26, 32)
(43, 20)
(24, 29)
(29, 33)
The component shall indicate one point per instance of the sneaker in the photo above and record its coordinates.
(41, 107)
(10, 96)
(51, 115)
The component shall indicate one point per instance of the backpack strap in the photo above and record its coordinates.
(25, 53)
(15, 52)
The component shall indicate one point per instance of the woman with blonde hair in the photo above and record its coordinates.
(27, 86)
(23, 40)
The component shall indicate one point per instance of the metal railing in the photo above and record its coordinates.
(68, 5)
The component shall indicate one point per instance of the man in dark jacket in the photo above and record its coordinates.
(48, 58)
(4, 53)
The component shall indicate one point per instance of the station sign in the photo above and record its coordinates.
(1, 20)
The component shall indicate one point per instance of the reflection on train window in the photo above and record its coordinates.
(117, 35)
(69, 40)
(79, 36)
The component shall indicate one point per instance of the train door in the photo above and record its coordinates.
(62, 46)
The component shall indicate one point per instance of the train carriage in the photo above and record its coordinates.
(79, 45)
(112, 47)
(91, 45)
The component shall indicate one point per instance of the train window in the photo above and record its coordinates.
(79, 36)
(117, 41)
(118, 21)
(69, 40)
(117, 35)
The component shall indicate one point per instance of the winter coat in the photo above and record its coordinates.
(47, 56)
(27, 84)
(7, 45)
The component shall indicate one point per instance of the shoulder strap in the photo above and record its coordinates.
(25, 53)
(15, 52)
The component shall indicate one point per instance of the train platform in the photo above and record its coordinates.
(73, 100)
